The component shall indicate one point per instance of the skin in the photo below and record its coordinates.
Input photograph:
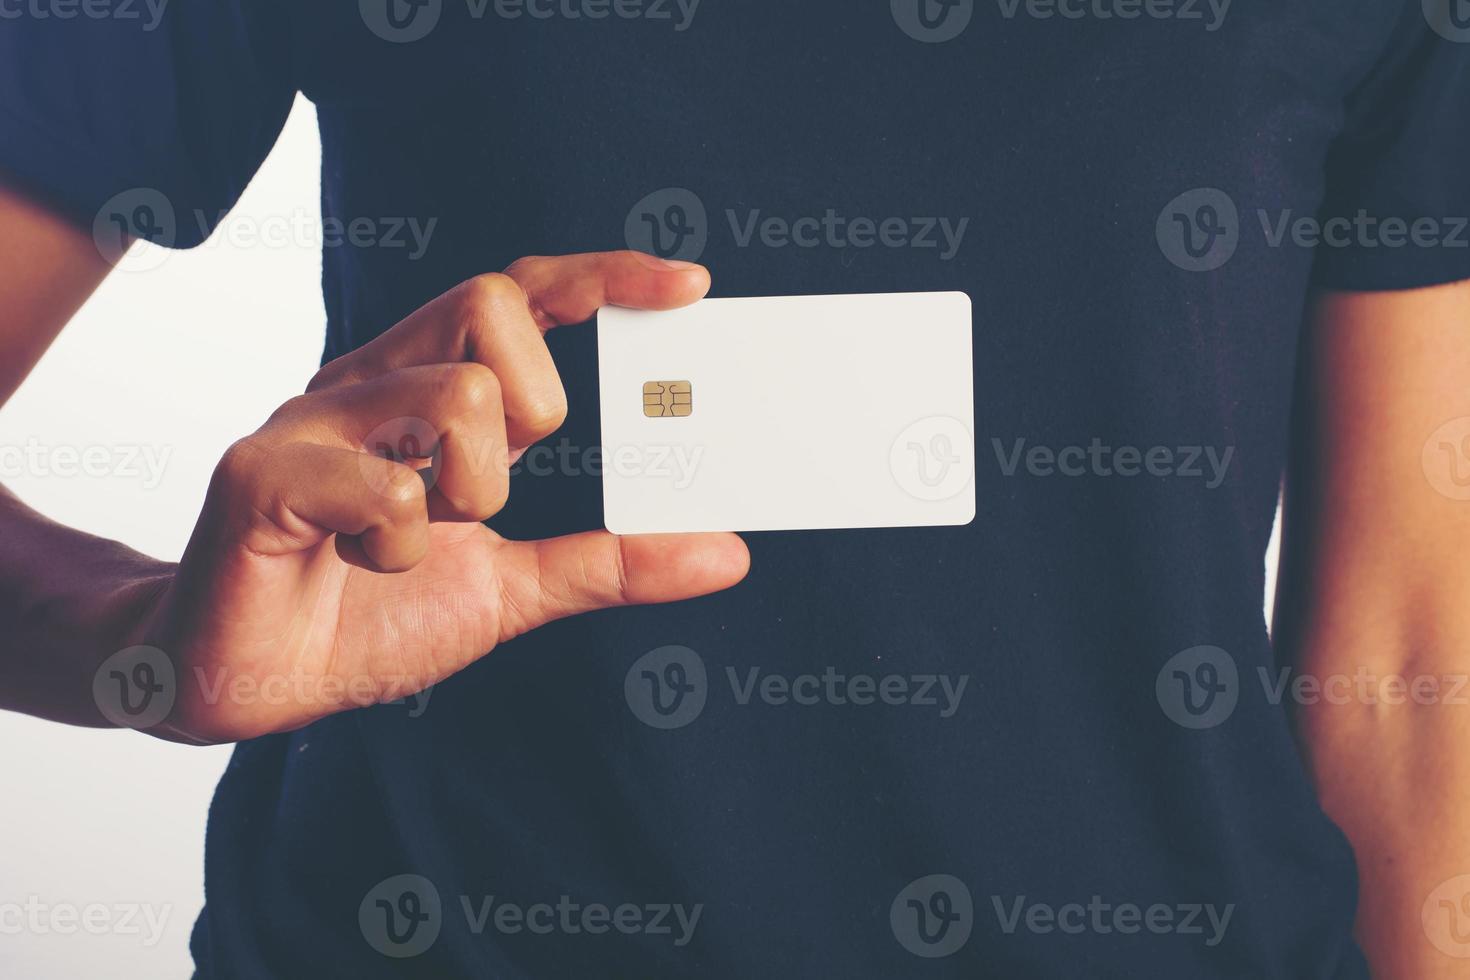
(314, 559)
(1375, 578)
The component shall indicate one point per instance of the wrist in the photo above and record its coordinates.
(66, 636)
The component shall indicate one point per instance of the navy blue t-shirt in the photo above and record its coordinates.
(1043, 745)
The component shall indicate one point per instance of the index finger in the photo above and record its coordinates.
(494, 318)
(567, 289)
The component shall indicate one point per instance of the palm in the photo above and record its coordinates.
(308, 634)
(425, 624)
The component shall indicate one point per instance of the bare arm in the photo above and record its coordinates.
(48, 268)
(1375, 597)
(66, 597)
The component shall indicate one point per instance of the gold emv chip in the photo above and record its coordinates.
(668, 399)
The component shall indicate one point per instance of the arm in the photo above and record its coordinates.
(65, 597)
(1375, 591)
(330, 561)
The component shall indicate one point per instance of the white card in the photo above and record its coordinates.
(788, 413)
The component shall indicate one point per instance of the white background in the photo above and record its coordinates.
(178, 360)
(181, 359)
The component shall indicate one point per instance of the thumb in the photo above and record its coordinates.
(545, 580)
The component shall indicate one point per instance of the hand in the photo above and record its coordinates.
(337, 574)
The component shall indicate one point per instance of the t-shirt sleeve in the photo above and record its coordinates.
(1398, 177)
(160, 110)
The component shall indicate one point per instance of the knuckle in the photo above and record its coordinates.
(473, 388)
(545, 414)
(524, 265)
(495, 499)
(497, 496)
(328, 375)
(293, 409)
(397, 564)
(488, 498)
(480, 297)
(403, 493)
(240, 466)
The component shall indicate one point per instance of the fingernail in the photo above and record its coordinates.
(675, 265)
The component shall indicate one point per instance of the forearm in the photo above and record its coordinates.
(66, 598)
(68, 601)
(1384, 731)
(1374, 611)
